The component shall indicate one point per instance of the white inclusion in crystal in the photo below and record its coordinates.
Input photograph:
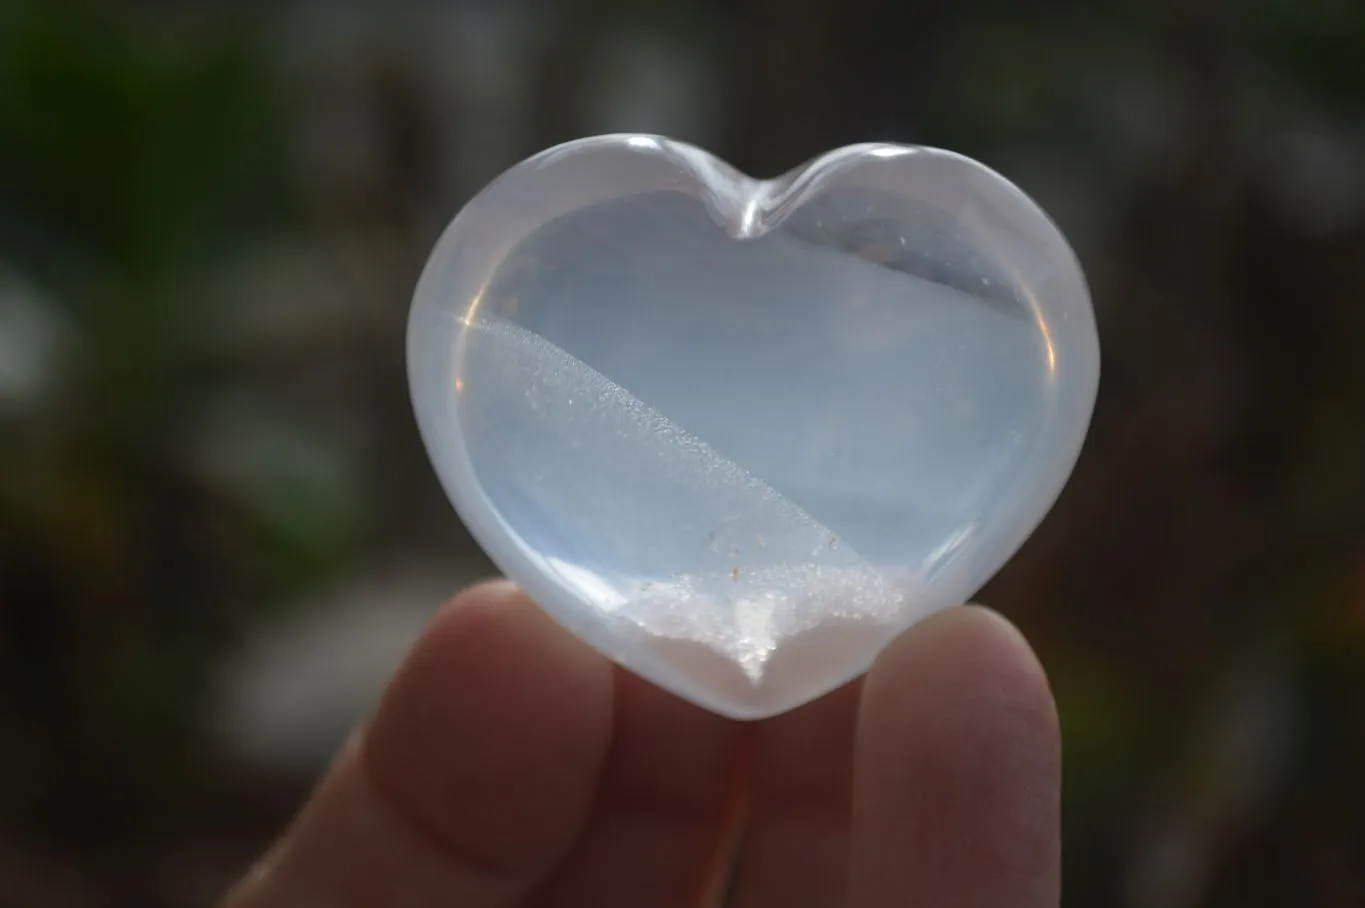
(652, 529)
(770, 606)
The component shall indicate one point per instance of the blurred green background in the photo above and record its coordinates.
(218, 530)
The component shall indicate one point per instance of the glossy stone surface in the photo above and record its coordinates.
(737, 434)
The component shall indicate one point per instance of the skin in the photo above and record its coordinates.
(510, 765)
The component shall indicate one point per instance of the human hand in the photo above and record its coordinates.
(510, 765)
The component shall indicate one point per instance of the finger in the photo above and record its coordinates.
(665, 800)
(795, 851)
(470, 783)
(957, 772)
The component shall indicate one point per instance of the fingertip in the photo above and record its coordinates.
(473, 778)
(494, 730)
(970, 652)
(958, 779)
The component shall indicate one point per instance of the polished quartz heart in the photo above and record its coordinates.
(738, 434)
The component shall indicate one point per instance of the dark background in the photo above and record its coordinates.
(218, 529)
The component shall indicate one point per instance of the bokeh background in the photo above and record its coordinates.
(218, 530)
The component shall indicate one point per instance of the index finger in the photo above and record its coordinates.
(470, 783)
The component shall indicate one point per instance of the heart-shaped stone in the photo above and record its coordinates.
(738, 434)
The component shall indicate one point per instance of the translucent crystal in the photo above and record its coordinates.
(738, 434)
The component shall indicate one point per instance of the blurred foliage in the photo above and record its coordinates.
(210, 220)
(132, 163)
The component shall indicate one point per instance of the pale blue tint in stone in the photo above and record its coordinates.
(738, 434)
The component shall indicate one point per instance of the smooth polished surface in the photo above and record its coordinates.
(737, 434)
